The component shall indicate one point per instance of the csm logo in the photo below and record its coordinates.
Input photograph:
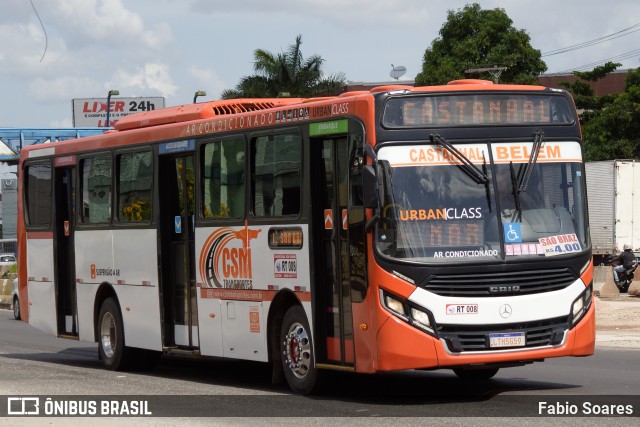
(23, 406)
(504, 289)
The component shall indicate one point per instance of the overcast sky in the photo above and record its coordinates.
(172, 48)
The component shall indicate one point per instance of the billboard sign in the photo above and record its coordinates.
(92, 112)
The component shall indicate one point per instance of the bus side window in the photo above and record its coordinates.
(96, 189)
(135, 183)
(223, 179)
(276, 164)
(38, 194)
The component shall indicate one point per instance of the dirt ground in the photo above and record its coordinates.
(620, 313)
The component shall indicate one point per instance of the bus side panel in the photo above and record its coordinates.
(210, 326)
(94, 257)
(237, 269)
(94, 266)
(41, 287)
(86, 296)
(141, 316)
(245, 330)
(135, 271)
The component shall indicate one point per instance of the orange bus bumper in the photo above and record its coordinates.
(401, 346)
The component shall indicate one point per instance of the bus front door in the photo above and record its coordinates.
(177, 215)
(331, 252)
(65, 272)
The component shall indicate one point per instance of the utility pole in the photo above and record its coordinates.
(495, 71)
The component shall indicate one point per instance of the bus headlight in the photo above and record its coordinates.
(421, 319)
(415, 316)
(581, 305)
(395, 305)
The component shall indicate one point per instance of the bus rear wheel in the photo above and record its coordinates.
(476, 374)
(113, 353)
(296, 350)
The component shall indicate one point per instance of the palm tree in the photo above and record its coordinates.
(287, 73)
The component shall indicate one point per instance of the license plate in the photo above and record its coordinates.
(512, 339)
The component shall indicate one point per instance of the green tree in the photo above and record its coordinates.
(476, 38)
(581, 90)
(287, 72)
(611, 125)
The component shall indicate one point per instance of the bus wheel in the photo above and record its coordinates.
(297, 351)
(16, 308)
(113, 353)
(475, 374)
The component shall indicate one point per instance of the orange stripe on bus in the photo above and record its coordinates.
(40, 235)
(246, 294)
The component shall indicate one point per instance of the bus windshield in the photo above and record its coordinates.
(434, 211)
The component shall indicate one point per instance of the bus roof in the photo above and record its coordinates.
(204, 110)
(224, 108)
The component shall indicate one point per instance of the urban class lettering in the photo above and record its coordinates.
(444, 213)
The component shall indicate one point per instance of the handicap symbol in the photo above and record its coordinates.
(513, 233)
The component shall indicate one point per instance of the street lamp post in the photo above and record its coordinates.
(197, 94)
(111, 92)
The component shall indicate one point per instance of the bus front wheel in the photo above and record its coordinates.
(113, 353)
(296, 350)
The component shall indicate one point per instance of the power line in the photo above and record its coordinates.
(612, 36)
(616, 58)
(46, 38)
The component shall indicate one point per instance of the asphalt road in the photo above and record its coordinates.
(32, 363)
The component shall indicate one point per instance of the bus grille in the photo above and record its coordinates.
(461, 338)
(500, 284)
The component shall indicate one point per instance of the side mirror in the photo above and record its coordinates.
(370, 187)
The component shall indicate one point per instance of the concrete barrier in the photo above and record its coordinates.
(634, 289)
(6, 290)
(608, 288)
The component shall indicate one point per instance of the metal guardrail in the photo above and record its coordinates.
(13, 139)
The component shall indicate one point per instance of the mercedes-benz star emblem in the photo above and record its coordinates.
(505, 311)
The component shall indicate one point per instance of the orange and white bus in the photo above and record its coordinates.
(392, 229)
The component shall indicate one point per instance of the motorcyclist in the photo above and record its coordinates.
(626, 260)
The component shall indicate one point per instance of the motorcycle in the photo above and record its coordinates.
(625, 277)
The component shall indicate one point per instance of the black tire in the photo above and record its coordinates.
(16, 308)
(624, 287)
(296, 351)
(476, 374)
(114, 355)
(145, 360)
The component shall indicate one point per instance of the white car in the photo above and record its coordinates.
(16, 300)
(7, 259)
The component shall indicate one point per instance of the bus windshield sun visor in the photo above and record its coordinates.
(465, 164)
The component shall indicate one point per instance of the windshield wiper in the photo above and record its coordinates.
(515, 192)
(465, 164)
(524, 174)
(486, 184)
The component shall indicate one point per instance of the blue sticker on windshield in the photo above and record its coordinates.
(512, 233)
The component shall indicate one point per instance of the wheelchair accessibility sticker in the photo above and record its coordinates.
(512, 233)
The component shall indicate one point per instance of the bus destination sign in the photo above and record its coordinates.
(478, 109)
(285, 238)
